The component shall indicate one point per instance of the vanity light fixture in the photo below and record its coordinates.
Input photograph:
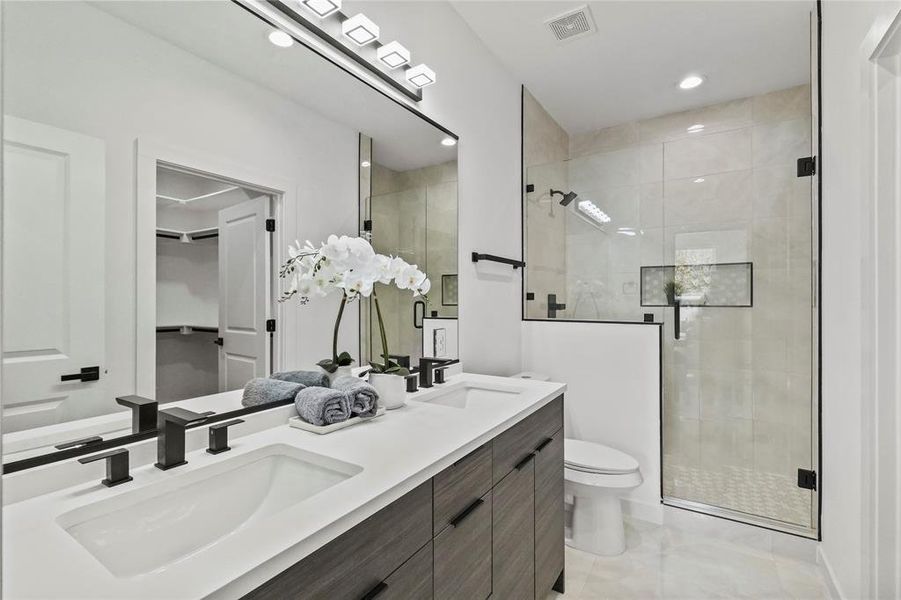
(420, 76)
(393, 55)
(696, 128)
(322, 8)
(690, 82)
(590, 208)
(448, 141)
(360, 30)
(280, 38)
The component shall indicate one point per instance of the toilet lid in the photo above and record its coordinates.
(597, 458)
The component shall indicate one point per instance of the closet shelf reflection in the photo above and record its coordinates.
(186, 329)
(187, 237)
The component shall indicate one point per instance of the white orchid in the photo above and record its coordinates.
(351, 265)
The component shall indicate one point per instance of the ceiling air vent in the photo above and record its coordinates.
(572, 24)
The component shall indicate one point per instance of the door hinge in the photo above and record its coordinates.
(807, 166)
(807, 479)
(270, 225)
(530, 187)
(270, 325)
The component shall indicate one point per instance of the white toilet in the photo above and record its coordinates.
(596, 476)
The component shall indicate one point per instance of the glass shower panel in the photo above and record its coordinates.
(738, 413)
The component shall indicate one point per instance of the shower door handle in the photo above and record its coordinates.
(421, 314)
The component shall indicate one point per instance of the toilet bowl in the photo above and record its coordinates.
(596, 476)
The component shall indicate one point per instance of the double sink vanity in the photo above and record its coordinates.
(459, 494)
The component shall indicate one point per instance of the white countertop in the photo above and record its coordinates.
(397, 452)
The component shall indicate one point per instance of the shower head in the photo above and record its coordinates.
(568, 197)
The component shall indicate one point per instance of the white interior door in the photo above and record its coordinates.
(53, 274)
(244, 284)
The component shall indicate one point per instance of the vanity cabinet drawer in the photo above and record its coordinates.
(459, 485)
(355, 562)
(463, 554)
(513, 445)
(412, 581)
(513, 544)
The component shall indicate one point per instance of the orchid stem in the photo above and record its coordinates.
(378, 312)
(337, 326)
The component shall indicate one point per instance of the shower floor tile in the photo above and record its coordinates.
(663, 562)
(745, 490)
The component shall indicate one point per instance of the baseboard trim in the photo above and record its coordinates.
(835, 590)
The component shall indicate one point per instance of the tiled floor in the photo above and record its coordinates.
(662, 562)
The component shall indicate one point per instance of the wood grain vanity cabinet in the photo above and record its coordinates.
(488, 526)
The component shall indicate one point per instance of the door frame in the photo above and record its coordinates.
(881, 314)
(148, 154)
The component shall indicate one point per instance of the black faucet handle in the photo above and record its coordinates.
(116, 466)
(218, 433)
(440, 375)
(181, 416)
(412, 382)
(143, 412)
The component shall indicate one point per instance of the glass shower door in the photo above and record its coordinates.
(738, 410)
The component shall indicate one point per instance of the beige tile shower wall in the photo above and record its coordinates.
(545, 150)
(414, 216)
(738, 382)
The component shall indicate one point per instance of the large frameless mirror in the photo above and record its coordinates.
(159, 157)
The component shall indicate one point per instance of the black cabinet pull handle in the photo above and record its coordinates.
(466, 512)
(86, 374)
(521, 464)
(544, 444)
(378, 589)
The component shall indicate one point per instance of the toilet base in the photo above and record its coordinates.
(598, 525)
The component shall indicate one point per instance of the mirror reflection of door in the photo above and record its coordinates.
(53, 275)
(213, 289)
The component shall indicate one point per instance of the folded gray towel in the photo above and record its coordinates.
(364, 400)
(308, 378)
(322, 406)
(263, 390)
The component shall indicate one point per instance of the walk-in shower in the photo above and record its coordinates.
(699, 222)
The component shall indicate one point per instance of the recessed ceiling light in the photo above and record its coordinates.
(448, 141)
(280, 38)
(691, 82)
(695, 128)
(420, 76)
(365, 164)
(699, 180)
(360, 29)
(323, 8)
(393, 55)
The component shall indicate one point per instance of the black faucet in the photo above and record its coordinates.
(426, 364)
(170, 438)
(116, 466)
(143, 412)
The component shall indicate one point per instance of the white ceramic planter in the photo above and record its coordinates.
(392, 389)
(348, 370)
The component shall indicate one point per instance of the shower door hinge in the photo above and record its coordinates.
(807, 166)
(530, 187)
(270, 325)
(807, 479)
(270, 225)
(367, 225)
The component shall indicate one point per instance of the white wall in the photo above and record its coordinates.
(478, 100)
(613, 393)
(73, 66)
(845, 29)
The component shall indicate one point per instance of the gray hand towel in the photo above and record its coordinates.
(307, 378)
(262, 390)
(364, 400)
(322, 406)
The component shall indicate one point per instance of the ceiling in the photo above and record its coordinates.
(223, 33)
(629, 69)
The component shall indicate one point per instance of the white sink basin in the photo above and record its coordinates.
(149, 529)
(463, 395)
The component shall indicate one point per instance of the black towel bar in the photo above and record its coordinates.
(476, 257)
